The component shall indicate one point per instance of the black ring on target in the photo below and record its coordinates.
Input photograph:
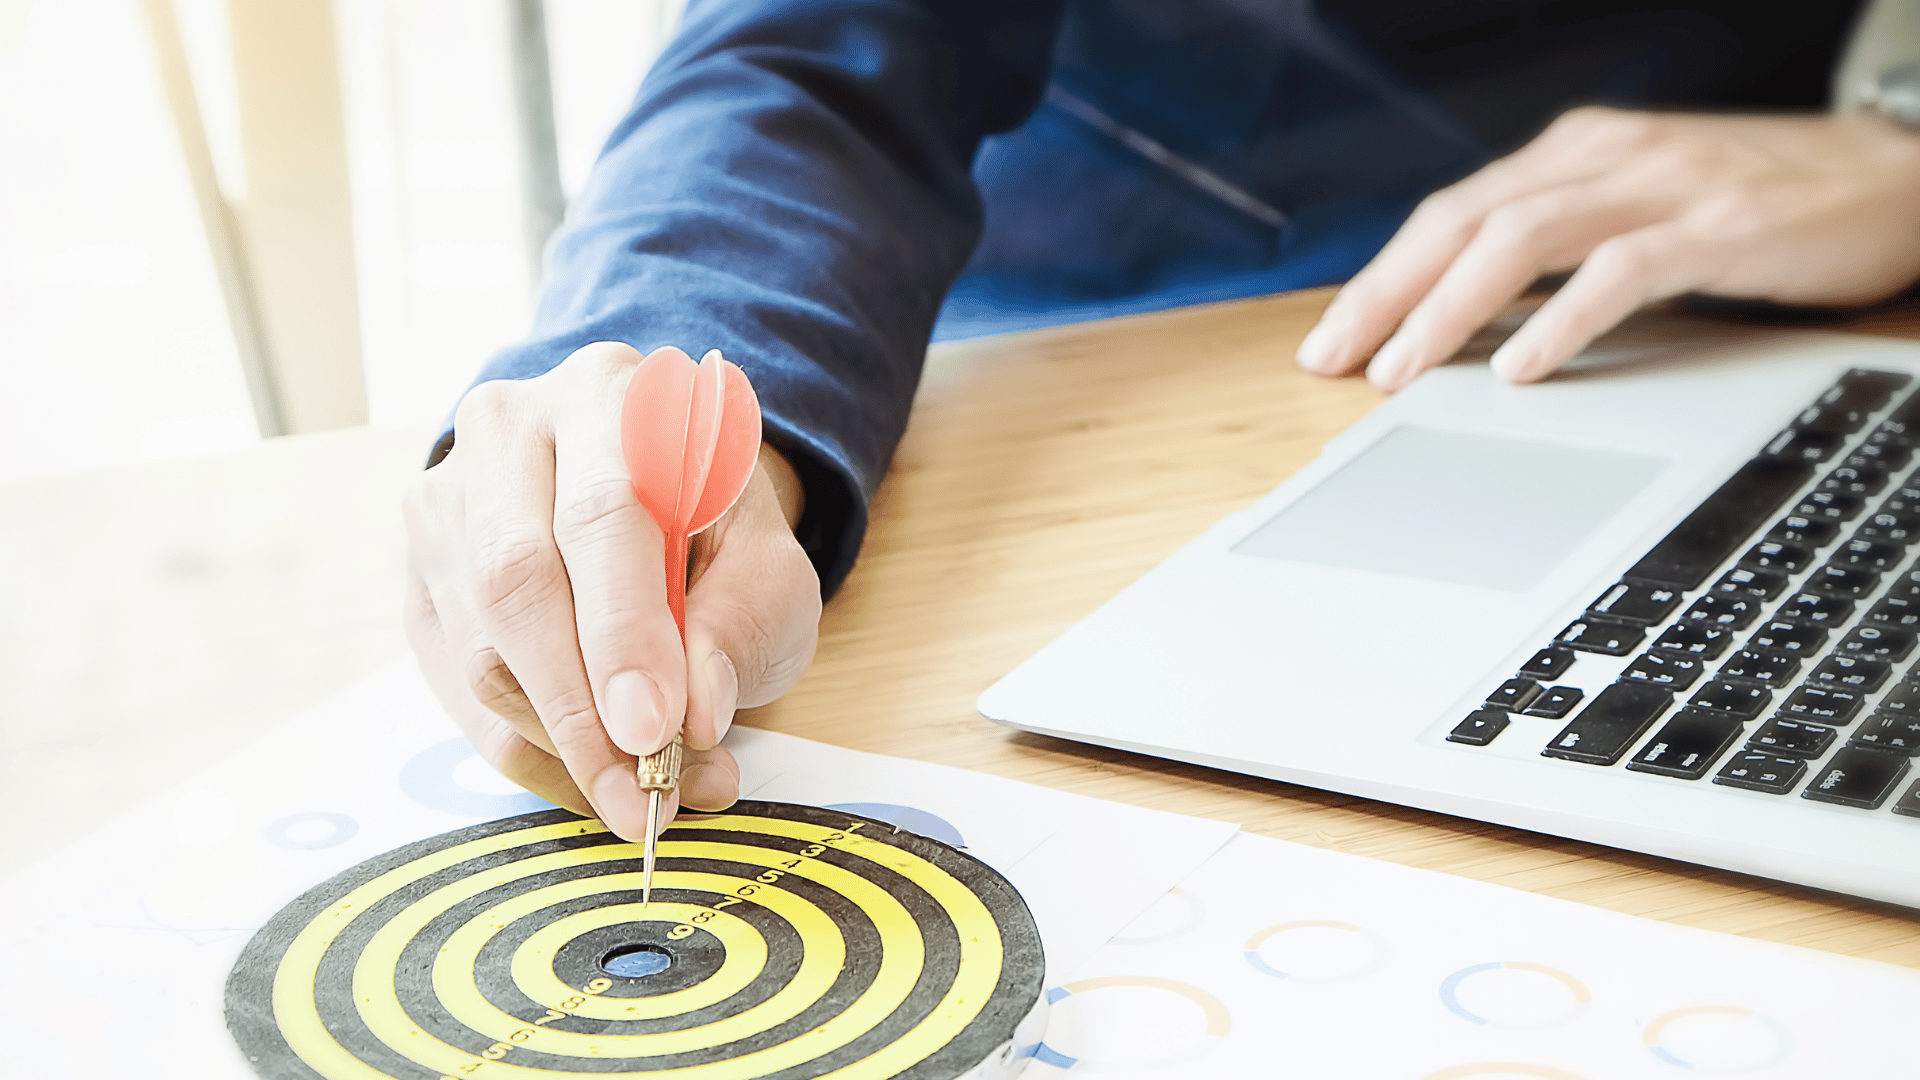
(800, 942)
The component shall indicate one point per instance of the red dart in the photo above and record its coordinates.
(690, 434)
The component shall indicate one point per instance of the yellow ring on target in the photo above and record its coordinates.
(901, 961)
(293, 1005)
(978, 973)
(533, 968)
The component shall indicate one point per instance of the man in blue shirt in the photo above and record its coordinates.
(818, 187)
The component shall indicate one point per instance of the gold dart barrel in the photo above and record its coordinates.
(659, 774)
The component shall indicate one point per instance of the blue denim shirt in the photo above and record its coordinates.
(819, 187)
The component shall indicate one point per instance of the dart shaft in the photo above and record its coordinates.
(659, 773)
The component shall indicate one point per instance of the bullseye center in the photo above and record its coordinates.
(636, 961)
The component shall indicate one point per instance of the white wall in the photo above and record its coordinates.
(113, 346)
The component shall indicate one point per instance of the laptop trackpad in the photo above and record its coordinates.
(1468, 509)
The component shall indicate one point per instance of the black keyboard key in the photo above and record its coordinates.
(1695, 639)
(1779, 556)
(1730, 611)
(1675, 671)
(1756, 771)
(1845, 406)
(1718, 526)
(1745, 581)
(1636, 602)
(1817, 609)
(1889, 455)
(1788, 738)
(1909, 804)
(1758, 665)
(1905, 586)
(1895, 732)
(1800, 529)
(1868, 554)
(1823, 705)
(1863, 478)
(1687, 745)
(1846, 582)
(1514, 694)
(1904, 499)
(1743, 700)
(1904, 420)
(1610, 723)
(1548, 664)
(1592, 635)
(1882, 384)
(1903, 699)
(1857, 777)
(1786, 636)
(1890, 528)
(1878, 642)
(1811, 447)
(1900, 611)
(1891, 431)
(1830, 505)
(1480, 727)
(1556, 702)
(1850, 673)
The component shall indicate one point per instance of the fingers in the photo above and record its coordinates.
(1577, 148)
(539, 608)
(493, 737)
(1619, 277)
(709, 781)
(1368, 308)
(523, 601)
(753, 614)
(440, 616)
(614, 559)
(1514, 245)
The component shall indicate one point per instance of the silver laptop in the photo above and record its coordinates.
(1667, 601)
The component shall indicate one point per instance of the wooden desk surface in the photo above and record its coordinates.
(155, 617)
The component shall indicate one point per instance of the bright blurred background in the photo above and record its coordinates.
(118, 343)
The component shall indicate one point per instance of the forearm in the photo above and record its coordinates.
(792, 188)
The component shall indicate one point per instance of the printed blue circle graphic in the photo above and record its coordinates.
(1376, 956)
(282, 833)
(1219, 1024)
(918, 822)
(1752, 1056)
(428, 780)
(1450, 987)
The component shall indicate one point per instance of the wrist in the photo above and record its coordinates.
(787, 487)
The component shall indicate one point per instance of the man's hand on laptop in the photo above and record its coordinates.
(538, 604)
(1800, 210)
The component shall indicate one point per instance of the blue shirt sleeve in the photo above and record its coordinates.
(792, 187)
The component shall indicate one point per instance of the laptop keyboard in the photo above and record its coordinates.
(1788, 672)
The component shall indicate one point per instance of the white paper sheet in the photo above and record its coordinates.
(115, 952)
(1278, 960)
(1270, 960)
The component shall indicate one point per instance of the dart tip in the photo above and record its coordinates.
(653, 837)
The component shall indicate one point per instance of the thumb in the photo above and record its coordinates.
(753, 614)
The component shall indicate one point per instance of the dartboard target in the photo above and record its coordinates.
(781, 941)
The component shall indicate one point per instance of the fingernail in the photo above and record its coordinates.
(617, 798)
(707, 787)
(636, 717)
(723, 690)
(1317, 350)
(1389, 368)
(1509, 363)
